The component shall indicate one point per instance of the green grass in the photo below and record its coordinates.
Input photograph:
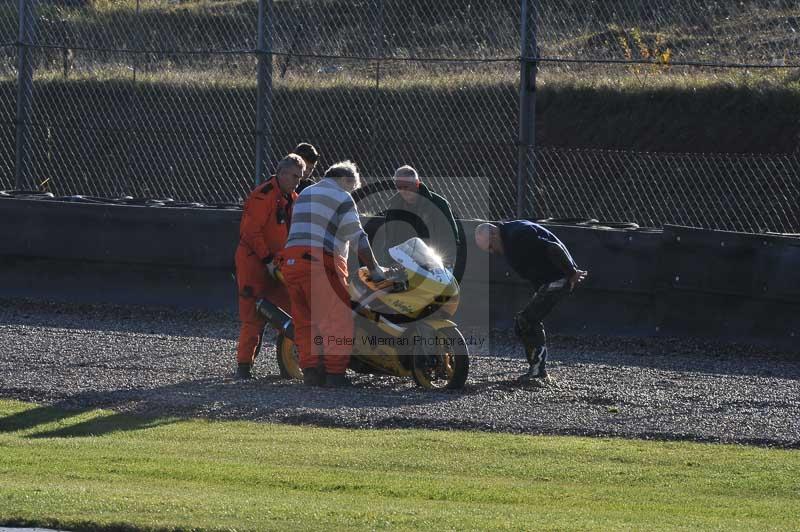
(99, 469)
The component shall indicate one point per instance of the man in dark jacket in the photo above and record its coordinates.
(417, 211)
(538, 256)
(310, 156)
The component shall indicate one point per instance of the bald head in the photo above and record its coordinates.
(487, 238)
(406, 173)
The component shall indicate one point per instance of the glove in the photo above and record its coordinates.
(575, 278)
(378, 274)
(271, 268)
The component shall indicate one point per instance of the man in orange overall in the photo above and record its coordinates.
(262, 233)
(314, 263)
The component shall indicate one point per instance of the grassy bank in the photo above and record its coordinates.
(758, 30)
(96, 470)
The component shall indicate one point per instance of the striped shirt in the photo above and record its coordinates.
(325, 216)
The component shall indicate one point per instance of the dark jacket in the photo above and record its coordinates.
(535, 253)
(429, 218)
(304, 183)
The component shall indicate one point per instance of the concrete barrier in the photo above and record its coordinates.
(676, 282)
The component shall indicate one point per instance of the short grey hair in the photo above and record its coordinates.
(290, 161)
(406, 171)
(346, 174)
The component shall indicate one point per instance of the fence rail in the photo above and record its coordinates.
(197, 100)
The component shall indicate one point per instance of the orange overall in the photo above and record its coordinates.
(323, 320)
(262, 233)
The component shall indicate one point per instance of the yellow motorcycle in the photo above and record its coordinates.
(402, 324)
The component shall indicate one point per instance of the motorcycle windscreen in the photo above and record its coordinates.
(417, 256)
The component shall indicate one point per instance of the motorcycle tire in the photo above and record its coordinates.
(451, 367)
(288, 359)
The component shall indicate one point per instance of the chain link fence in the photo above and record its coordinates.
(195, 100)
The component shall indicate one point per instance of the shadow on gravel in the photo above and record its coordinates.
(114, 318)
(685, 355)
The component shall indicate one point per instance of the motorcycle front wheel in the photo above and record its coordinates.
(288, 358)
(448, 368)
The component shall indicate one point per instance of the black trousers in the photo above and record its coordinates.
(528, 324)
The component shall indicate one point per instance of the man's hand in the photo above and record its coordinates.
(271, 268)
(576, 278)
(378, 274)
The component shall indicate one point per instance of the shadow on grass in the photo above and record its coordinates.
(268, 399)
(98, 426)
(105, 425)
(29, 419)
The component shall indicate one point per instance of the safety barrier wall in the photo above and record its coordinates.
(677, 282)
(673, 282)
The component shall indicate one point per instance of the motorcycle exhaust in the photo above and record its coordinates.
(276, 317)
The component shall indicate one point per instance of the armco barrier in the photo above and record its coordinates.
(675, 282)
(100, 253)
(731, 285)
(194, 238)
(618, 295)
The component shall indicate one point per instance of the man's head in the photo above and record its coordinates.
(346, 174)
(309, 154)
(487, 238)
(406, 180)
(289, 171)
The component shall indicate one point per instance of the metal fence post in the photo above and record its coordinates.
(376, 18)
(264, 88)
(23, 178)
(527, 105)
(126, 179)
(378, 39)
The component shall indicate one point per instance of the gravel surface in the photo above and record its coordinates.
(158, 362)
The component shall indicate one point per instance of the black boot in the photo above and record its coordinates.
(537, 360)
(338, 380)
(313, 377)
(243, 371)
(537, 367)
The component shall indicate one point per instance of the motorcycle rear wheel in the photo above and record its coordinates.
(288, 358)
(451, 365)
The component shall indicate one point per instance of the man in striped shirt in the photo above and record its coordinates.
(324, 224)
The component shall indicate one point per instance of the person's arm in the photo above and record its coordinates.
(451, 220)
(387, 236)
(254, 223)
(559, 257)
(447, 236)
(381, 241)
(350, 229)
(366, 255)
